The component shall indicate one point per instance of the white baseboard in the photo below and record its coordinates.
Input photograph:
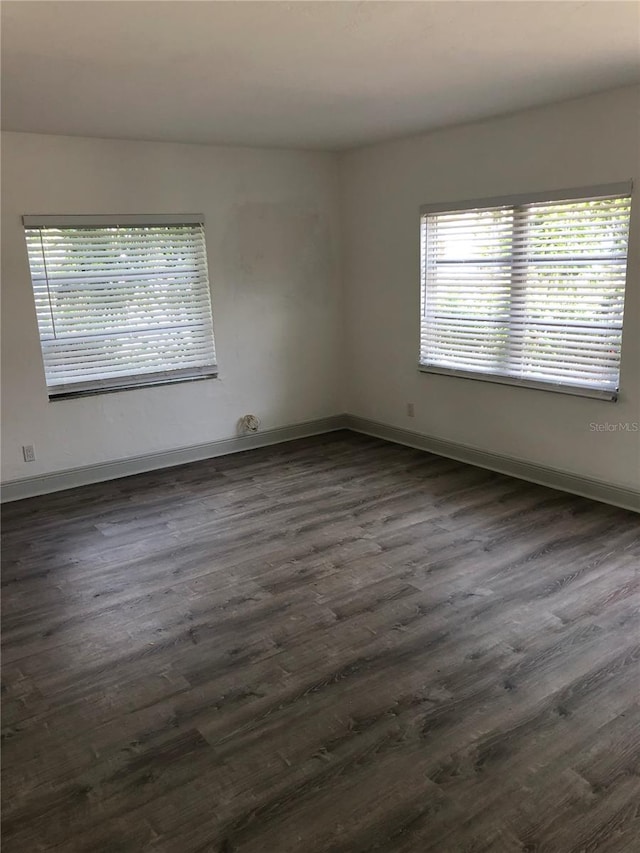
(565, 481)
(29, 487)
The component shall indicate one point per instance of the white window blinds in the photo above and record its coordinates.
(527, 290)
(120, 301)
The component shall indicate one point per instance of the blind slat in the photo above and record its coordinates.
(121, 301)
(528, 291)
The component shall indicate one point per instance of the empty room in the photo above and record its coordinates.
(320, 427)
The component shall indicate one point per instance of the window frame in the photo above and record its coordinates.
(581, 193)
(131, 381)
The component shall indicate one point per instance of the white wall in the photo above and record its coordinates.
(292, 345)
(273, 248)
(579, 143)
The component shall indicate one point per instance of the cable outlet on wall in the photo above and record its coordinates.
(29, 452)
(248, 423)
(411, 410)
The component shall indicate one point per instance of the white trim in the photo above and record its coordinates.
(554, 478)
(99, 220)
(624, 188)
(504, 379)
(128, 383)
(28, 487)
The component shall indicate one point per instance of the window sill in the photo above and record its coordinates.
(572, 390)
(127, 384)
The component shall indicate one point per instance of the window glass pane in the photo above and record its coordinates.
(114, 302)
(530, 291)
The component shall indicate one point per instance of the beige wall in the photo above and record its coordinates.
(273, 250)
(579, 143)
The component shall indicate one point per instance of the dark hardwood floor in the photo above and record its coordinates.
(336, 644)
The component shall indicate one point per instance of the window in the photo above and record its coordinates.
(527, 290)
(121, 301)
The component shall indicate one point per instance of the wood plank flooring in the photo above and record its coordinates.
(336, 645)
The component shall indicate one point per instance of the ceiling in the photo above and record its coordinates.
(305, 74)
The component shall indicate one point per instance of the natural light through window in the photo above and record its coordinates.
(121, 302)
(527, 291)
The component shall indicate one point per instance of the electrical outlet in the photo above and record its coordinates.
(411, 410)
(29, 452)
